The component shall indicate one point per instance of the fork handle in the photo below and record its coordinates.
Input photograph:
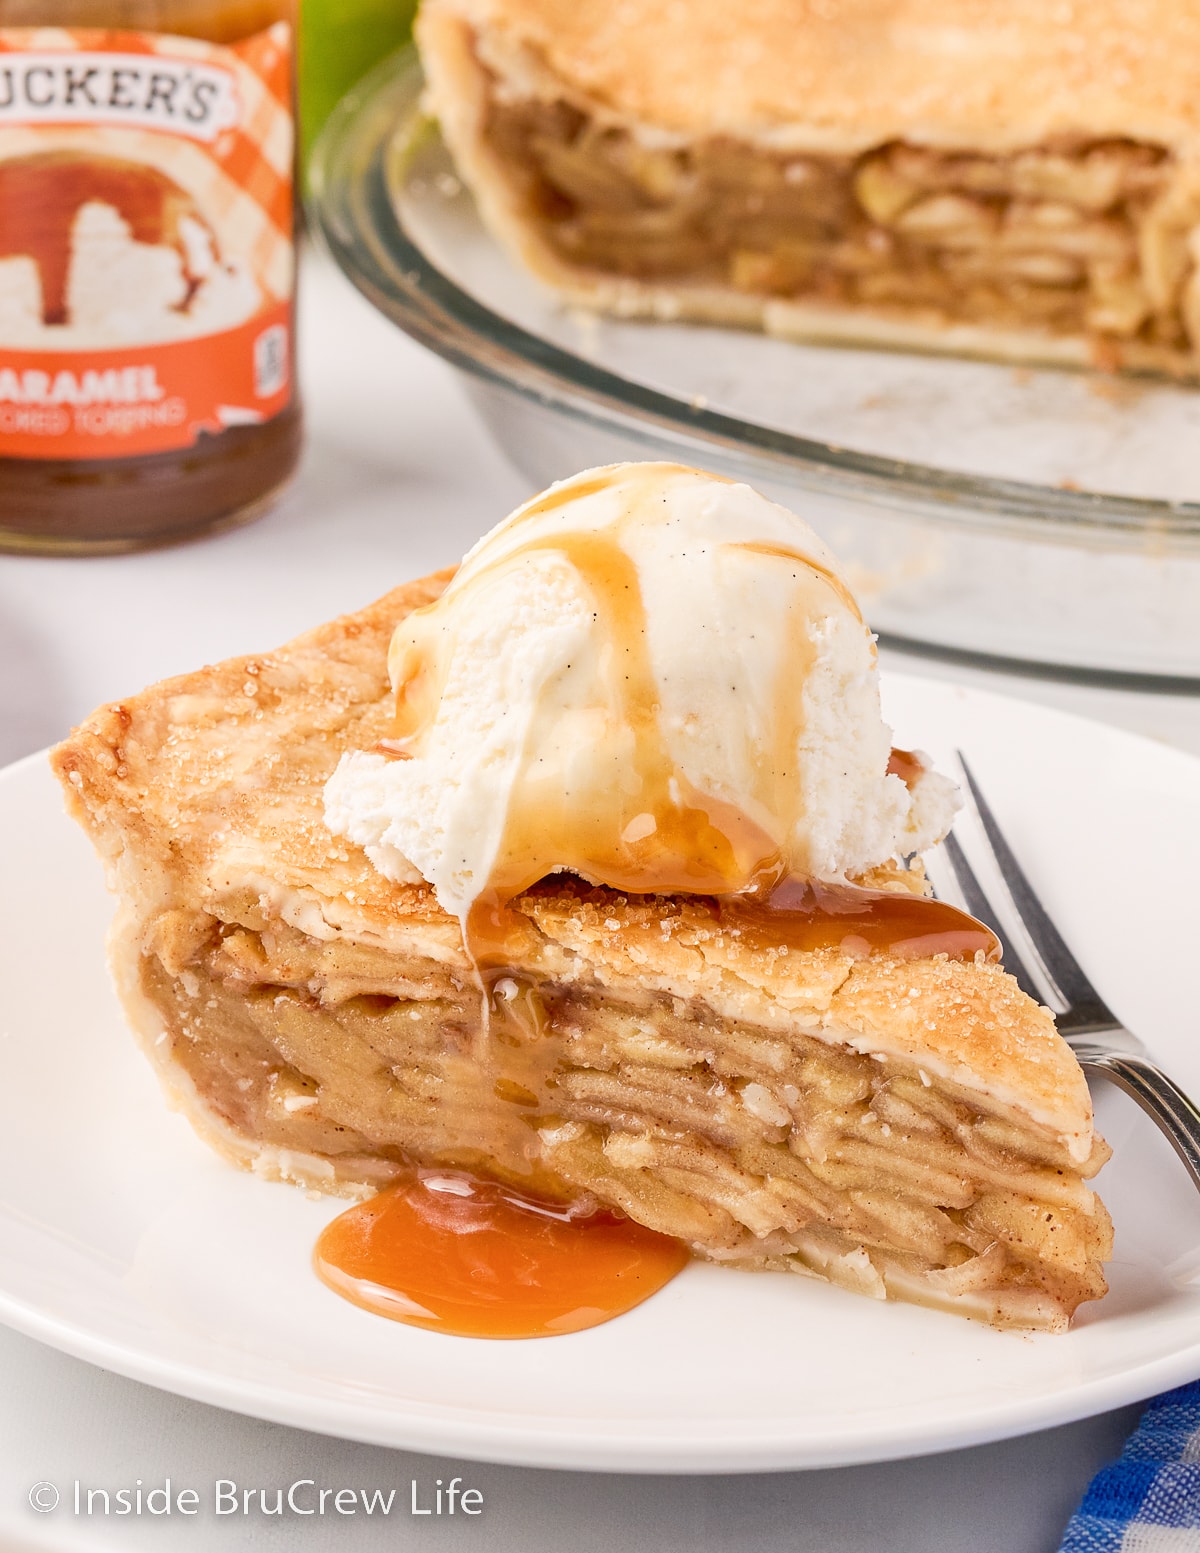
(1160, 1097)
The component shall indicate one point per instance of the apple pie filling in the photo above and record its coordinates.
(1075, 236)
(754, 1147)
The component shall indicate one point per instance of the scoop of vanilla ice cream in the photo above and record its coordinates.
(649, 676)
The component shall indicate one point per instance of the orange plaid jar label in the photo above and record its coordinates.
(146, 250)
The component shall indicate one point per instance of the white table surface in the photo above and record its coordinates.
(398, 479)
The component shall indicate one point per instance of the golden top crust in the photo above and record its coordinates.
(205, 791)
(847, 74)
(216, 776)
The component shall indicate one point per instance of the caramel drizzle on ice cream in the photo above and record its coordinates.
(631, 820)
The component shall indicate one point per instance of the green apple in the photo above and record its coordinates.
(340, 40)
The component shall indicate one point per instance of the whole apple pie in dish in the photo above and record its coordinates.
(992, 177)
(779, 1049)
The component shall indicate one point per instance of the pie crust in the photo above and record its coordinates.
(986, 177)
(910, 1128)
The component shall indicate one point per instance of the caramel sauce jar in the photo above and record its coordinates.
(147, 269)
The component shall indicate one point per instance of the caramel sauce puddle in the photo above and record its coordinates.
(453, 1253)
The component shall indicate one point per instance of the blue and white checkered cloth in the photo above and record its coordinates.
(1148, 1501)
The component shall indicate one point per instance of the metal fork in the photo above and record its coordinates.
(1036, 955)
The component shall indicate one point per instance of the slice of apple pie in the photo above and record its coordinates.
(992, 177)
(850, 1087)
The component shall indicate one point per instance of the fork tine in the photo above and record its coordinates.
(1084, 1004)
(978, 905)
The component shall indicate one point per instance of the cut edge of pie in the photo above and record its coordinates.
(889, 213)
(912, 1128)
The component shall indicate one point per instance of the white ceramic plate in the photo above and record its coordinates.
(127, 1243)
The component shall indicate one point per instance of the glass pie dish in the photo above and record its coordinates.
(1038, 518)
